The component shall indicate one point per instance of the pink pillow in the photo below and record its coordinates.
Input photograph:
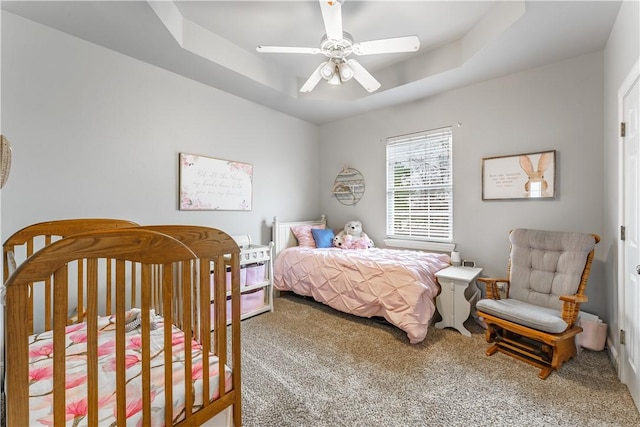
(304, 236)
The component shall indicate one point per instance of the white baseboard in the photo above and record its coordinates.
(613, 354)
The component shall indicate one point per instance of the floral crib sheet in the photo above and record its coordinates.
(41, 375)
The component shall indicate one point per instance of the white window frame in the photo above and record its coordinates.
(437, 195)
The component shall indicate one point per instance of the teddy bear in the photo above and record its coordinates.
(352, 237)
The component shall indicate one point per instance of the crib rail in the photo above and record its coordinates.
(121, 269)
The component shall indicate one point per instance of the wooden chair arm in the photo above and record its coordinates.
(575, 299)
(491, 285)
(571, 307)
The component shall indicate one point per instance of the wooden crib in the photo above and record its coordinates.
(103, 275)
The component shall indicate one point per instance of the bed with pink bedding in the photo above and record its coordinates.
(399, 285)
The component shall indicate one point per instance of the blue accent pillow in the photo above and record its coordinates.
(323, 237)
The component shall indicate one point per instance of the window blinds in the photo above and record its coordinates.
(419, 186)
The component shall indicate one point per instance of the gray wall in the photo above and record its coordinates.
(74, 110)
(621, 53)
(559, 106)
(97, 134)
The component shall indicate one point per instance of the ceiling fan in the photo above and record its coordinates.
(337, 45)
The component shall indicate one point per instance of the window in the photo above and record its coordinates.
(419, 186)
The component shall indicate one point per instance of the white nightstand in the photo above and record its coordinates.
(458, 295)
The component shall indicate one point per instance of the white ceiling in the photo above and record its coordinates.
(213, 42)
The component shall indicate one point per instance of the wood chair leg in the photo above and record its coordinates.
(563, 351)
(544, 373)
(492, 350)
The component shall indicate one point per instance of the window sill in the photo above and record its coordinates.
(425, 246)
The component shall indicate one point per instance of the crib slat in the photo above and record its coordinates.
(186, 321)
(159, 290)
(134, 290)
(205, 322)
(92, 341)
(47, 309)
(219, 346)
(80, 290)
(195, 305)
(121, 391)
(108, 288)
(167, 283)
(29, 247)
(177, 298)
(235, 339)
(145, 305)
(60, 299)
(157, 286)
(47, 293)
(185, 281)
(109, 280)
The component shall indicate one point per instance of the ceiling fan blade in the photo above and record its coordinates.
(363, 76)
(288, 49)
(332, 17)
(313, 80)
(393, 45)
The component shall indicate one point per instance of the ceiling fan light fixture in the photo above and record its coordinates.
(346, 73)
(328, 70)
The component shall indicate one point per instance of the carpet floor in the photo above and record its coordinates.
(308, 365)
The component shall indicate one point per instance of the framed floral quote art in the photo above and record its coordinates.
(208, 183)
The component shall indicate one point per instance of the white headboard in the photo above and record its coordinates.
(284, 238)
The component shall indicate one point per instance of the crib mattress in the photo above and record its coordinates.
(41, 375)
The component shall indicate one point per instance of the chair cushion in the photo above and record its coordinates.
(522, 313)
(547, 264)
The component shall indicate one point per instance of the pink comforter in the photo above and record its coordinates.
(398, 285)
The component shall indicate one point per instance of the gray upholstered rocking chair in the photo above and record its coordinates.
(547, 275)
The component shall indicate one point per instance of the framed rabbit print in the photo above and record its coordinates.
(519, 176)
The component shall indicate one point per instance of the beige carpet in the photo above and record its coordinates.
(308, 365)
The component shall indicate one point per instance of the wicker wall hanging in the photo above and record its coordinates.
(348, 187)
(5, 160)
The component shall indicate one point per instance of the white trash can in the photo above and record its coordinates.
(594, 332)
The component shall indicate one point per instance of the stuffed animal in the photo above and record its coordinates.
(352, 237)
